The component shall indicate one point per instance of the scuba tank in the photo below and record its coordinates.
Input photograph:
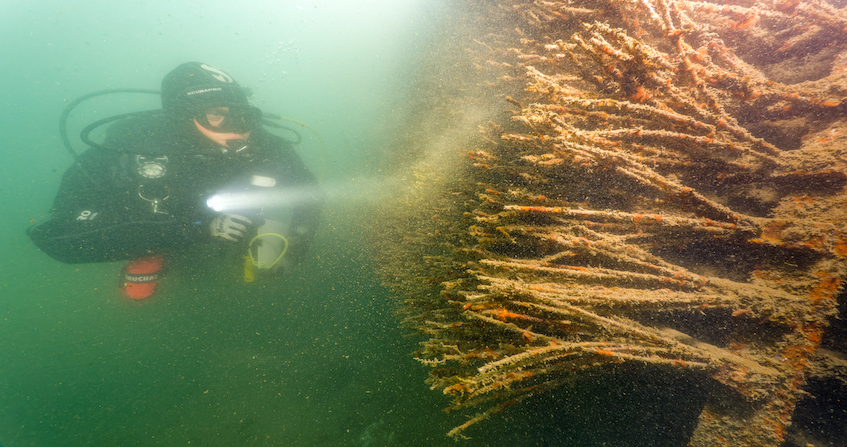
(263, 202)
(266, 251)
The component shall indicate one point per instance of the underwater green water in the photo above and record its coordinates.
(316, 359)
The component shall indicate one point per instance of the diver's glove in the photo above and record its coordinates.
(231, 227)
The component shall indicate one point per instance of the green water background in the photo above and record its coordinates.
(316, 359)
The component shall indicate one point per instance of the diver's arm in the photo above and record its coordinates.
(95, 220)
(307, 213)
(105, 241)
(304, 223)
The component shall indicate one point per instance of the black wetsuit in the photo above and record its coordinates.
(111, 207)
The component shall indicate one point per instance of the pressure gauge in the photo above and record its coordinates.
(152, 168)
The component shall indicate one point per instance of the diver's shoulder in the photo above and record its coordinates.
(156, 119)
(139, 133)
(275, 143)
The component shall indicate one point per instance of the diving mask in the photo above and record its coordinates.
(238, 119)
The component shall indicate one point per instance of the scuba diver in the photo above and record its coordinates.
(151, 189)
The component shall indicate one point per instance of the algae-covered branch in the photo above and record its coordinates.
(627, 182)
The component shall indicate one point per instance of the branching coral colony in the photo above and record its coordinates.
(627, 191)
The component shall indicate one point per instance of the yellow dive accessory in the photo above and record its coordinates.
(249, 270)
(251, 263)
